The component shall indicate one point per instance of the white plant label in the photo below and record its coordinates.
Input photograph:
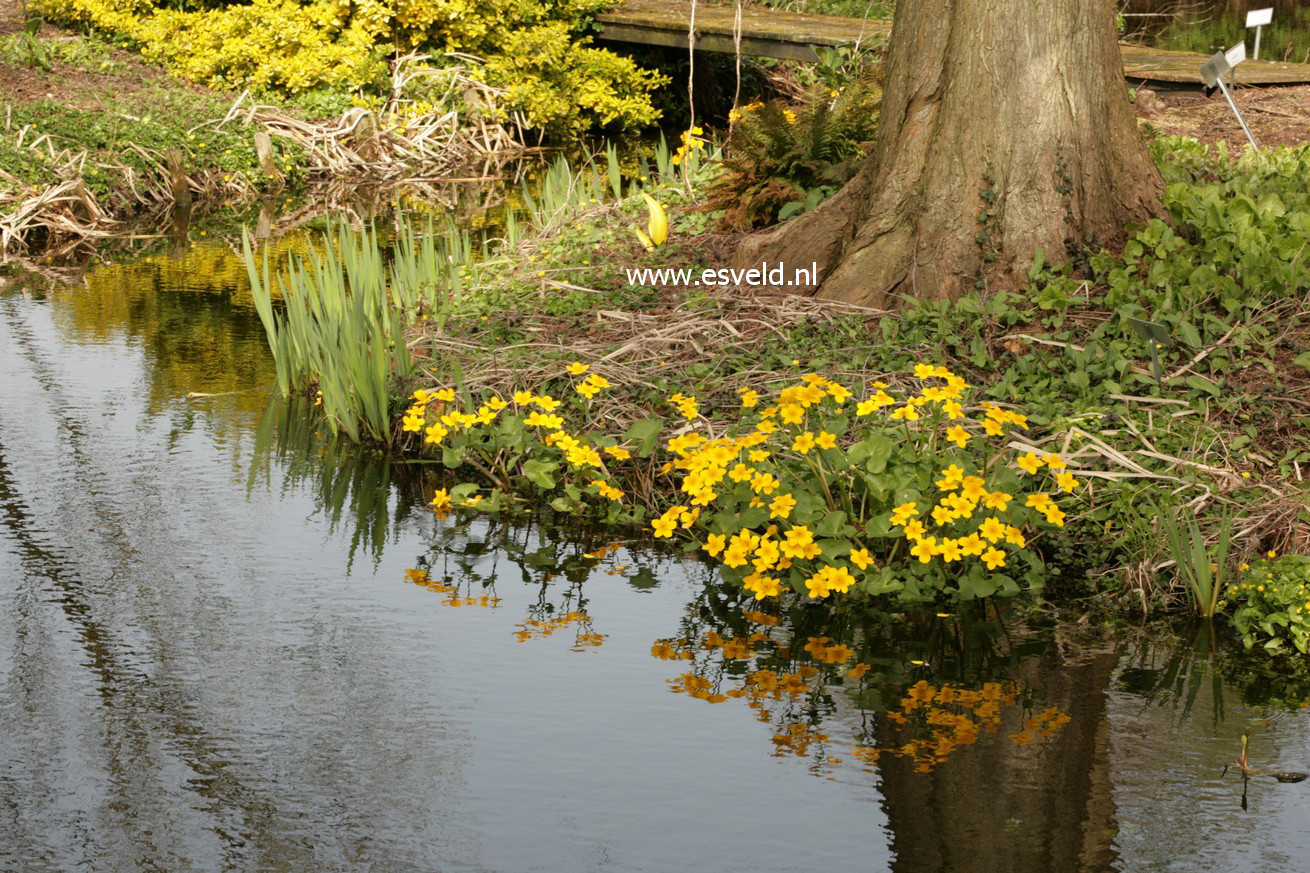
(1259, 17)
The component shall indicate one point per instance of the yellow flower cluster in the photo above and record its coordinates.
(691, 142)
(796, 494)
(755, 458)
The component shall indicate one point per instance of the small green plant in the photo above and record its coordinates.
(1202, 569)
(782, 160)
(1271, 600)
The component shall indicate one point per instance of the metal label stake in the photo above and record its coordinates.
(1213, 72)
(1258, 18)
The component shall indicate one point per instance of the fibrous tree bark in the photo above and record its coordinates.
(1005, 129)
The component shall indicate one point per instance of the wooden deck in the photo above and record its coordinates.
(793, 35)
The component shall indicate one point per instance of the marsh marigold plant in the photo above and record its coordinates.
(818, 488)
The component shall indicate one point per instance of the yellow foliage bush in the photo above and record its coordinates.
(533, 50)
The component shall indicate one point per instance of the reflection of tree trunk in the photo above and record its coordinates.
(997, 807)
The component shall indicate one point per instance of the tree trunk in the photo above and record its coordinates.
(1005, 129)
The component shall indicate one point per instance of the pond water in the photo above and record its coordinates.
(1208, 26)
(228, 643)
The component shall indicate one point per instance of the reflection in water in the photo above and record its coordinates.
(228, 640)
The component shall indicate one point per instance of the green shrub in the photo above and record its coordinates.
(1272, 603)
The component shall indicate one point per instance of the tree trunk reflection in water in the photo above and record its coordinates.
(998, 807)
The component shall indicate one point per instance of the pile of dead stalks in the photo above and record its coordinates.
(391, 144)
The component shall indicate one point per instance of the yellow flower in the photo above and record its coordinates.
(840, 580)
(958, 435)
(761, 586)
(992, 428)
(973, 488)
(741, 473)
(906, 412)
(618, 454)
(952, 476)
(817, 584)
(577, 368)
(664, 526)
(552, 422)
(924, 549)
(440, 499)
(1038, 501)
(803, 443)
(826, 440)
(1054, 461)
(950, 550)
(904, 512)
(735, 556)
(764, 483)
(861, 558)
(1030, 463)
(782, 506)
(924, 371)
(800, 544)
(972, 545)
(998, 500)
(992, 529)
(914, 529)
(1014, 536)
(435, 434)
(1066, 481)
(993, 558)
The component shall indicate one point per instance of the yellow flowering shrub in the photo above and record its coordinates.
(533, 50)
(814, 489)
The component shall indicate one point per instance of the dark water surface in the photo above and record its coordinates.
(226, 644)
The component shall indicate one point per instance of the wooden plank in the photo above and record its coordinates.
(757, 22)
(771, 33)
(1160, 65)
